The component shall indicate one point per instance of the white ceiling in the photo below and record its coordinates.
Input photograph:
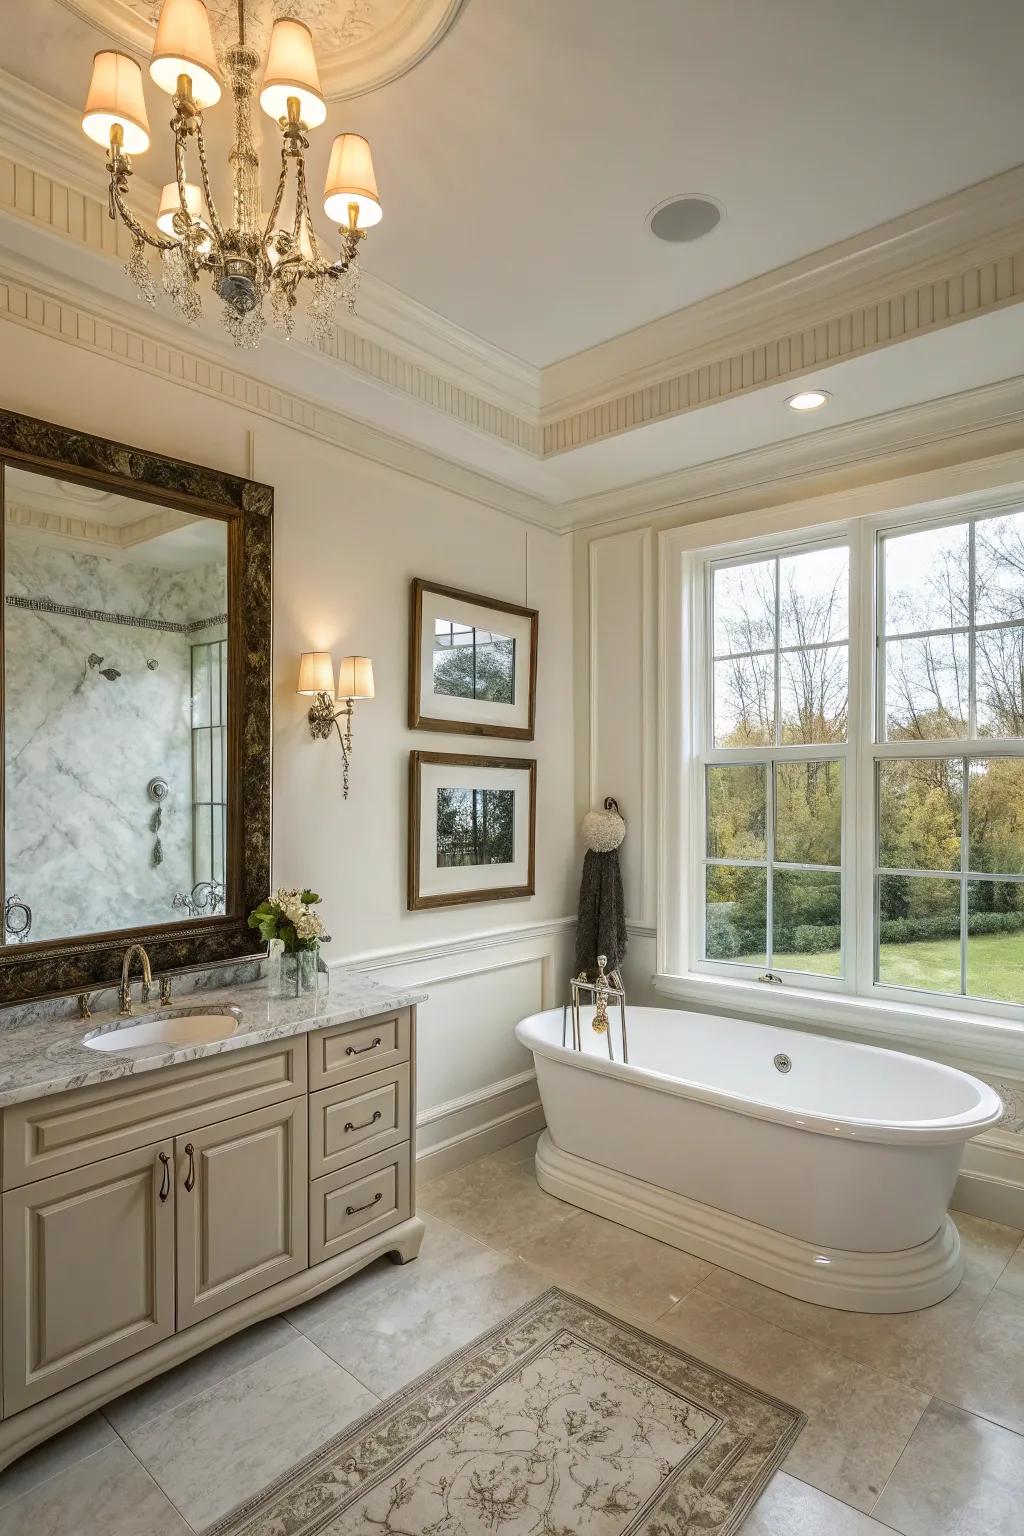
(519, 160)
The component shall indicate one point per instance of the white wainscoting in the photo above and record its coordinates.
(476, 1087)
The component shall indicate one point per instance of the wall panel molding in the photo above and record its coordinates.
(479, 985)
(622, 678)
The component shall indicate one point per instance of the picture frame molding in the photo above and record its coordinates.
(421, 722)
(418, 902)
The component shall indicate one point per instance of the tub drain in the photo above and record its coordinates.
(783, 1062)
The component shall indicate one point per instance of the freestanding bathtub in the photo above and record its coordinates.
(816, 1166)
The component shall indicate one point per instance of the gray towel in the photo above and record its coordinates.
(601, 929)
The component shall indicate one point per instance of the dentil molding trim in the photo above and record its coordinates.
(157, 351)
(936, 430)
(950, 261)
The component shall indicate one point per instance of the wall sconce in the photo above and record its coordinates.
(316, 679)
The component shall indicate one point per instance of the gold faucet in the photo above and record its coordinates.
(126, 986)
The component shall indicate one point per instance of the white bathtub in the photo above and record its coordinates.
(829, 1181)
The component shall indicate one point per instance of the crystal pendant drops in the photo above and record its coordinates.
(349, 284)
(282, 310)
(320, 310)
(137, 269)
(246, 330)
(179, 284)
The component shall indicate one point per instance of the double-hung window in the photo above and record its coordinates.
(856, 812)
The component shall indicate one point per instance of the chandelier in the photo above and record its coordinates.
(253, 260)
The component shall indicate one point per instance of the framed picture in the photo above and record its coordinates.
(472, 663)
(472, 828)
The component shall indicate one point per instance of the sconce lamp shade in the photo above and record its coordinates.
(355, 678)
(291, 71)
(170, 204)
(115, 99)
(350, 179)
(316, 673)
(184, 46)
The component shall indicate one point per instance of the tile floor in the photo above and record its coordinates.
(915, 1423)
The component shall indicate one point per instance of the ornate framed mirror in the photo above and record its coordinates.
(135, 693)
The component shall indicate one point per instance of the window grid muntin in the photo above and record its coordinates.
(865, 741)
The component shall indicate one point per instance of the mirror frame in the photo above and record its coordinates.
(50, 967)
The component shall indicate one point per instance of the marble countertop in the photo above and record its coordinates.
(40, 1056)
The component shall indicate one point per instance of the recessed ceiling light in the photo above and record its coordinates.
(809, 400)
(682, 219)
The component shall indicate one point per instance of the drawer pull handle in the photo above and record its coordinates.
(350, 1125)
(190, 1177)
(165, 1177)
(361, 1050)
(353, 1210)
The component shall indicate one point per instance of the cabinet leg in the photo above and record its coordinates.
(407, 1250)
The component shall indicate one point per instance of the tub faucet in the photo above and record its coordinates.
(606, 985)
(125, 992)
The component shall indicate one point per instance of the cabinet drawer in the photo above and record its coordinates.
(354, 1119)
(347, 1207)
(349, 1050)
(69, 1130)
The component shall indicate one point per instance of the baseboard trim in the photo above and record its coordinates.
(466, 1146)
(990, 1197)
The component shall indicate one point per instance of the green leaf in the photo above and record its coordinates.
(310, 898)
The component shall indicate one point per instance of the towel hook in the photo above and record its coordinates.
(611, 804)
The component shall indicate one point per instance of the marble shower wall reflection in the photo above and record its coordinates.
(105, 599)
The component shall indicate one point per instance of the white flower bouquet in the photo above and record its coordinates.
(288, 916)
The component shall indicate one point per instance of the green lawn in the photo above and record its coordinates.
(995, 965)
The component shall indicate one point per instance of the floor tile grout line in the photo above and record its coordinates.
(973, 1413)
(79, 1461)
(807, 1338)
(892, 1473)
(213, 1386)
(156, 1484)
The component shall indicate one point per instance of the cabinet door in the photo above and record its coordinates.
(88, 1272)
(241, 1207)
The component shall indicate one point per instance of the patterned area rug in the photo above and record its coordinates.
(561, 1421)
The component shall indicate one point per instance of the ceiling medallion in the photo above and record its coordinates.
(361, 44)
(252, 257)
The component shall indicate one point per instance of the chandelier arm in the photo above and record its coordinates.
(278, 197)
(204, 171)
(158, 242)
(302, 210)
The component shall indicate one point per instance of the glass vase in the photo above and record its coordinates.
(298, 973)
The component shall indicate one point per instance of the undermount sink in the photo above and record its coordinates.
(177, 1026)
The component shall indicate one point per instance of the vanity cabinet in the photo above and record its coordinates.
(146, 1217)
(241, 1208)
(88, 1271)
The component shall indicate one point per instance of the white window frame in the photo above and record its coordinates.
(683, 712)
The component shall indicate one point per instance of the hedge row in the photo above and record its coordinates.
(727, 939)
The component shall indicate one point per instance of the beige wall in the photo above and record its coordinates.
(349, 533)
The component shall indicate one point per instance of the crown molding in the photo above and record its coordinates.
(68, 528)
(158, 349)
(949, 434)
(938, 293)
(951, 261)
(979, 222)
(990, 419)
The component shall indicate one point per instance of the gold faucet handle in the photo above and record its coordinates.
(165, 990)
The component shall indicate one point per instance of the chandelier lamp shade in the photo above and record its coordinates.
(255, 260)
